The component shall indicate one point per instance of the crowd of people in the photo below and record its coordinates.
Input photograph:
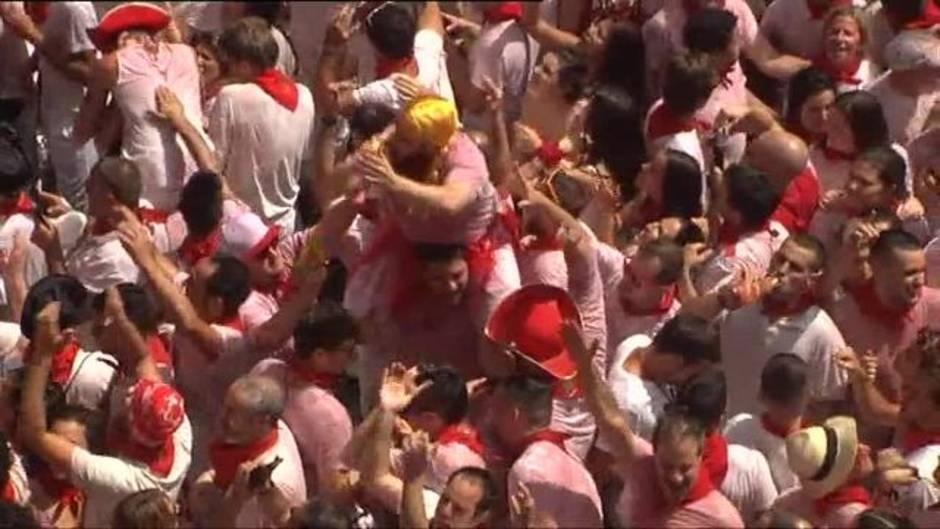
(570, 263)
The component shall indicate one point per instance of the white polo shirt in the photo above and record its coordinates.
(748, 485)
(747, 430)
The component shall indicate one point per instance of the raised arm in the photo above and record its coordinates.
(76, 66)
(431, 18)
(142, 365)
(104, 73)
(771, 62)
(414, 465)
(170, 108)
(546, 34)
(273, 333)
(862, 372)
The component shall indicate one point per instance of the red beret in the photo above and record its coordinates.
(132, 15)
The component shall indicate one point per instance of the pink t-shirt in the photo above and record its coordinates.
(163, 160)
(636, 506)
(791, 28)
(799, 503)
(320, 424)
(447, 459)
(753, 252)
(560, 485)
(907, 116)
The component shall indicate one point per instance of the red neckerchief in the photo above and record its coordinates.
(9, 493)
(280, 87)
(465, 435)
(23, 204)
(777, 430)
(62, 362)
(715, 458)
(327, 381)
(551, 436)
(159, 459)
(385, 67)
(226, 458)
(665, 303)
(147, 216)
(929, 19)
(777, 310)
(870, 305)
(550, 153)
(841, 74)
(915, 439)
(195, 248)
(65, 495)
(842, 496)
(817, 13)
(799, 203)
(664, 122)
(503, 12)
(158, 351)
(38, 11)
(835, 155)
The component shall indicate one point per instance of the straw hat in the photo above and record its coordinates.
(823, 456)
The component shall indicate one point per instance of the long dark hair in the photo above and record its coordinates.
(866, 119)
(682, 186)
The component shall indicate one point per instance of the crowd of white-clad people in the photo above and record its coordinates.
(557, 264)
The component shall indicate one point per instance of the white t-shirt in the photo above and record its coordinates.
(261, 145)
(14, 57)
(749, 338)
(747, 430)
(67, 27)
(432, 74)
(748, 485)
(753, 252)
(107, 480)
(100, 262)
(640, 400)
(90, 378)
(916, 500)
(505, 54)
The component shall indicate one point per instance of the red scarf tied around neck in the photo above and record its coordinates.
(67, 496)
(778, 310)
(664, 122)
(327, 381)
(503, 12)
(23, 204)
(777, 430)
(846, 74)
(715, 458)
(61, 370)
(195, 248)
(226, 458)
(870, 305)
(915, 439)
(465, 435)
(280, 87)
(843, 496)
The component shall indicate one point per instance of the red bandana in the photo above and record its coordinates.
(158, 351)
(465, 435)
(159, 459)
(23, 204)
(843, 496)
(66, 495)
(550, 153)
(665, 303)
(664, 122)
(870, 305)
(777, 310)
(846, 74)
(799, 203)
(152, 216)
(817, 12)
(327, 381)
(929, 19)
(556, 438)
(715, 458)
(226, 458)
(195, 249)
(9, 493)
(385, 67)
(503, 12)
(280, 87)
(62, 362)
(835, 155)
(915, 439)
(777, 430)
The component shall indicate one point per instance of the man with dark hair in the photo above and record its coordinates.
(784, 395)
(786, 317)
(202, 206)
(260, 123)
(521, 411)
(667, 482)
(748, 236)
(739, 472)
(324, 345)
(143, 313)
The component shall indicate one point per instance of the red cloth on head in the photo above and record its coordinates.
(503, 12)
(799, 202)
(384, 67)
(281, 88)
(155, 411)
(226, 458)
(23, 204)
(159, 352)
(159, 459)
(327, 381)
(715, 458)
(843, 496)
(195, 248)
(915, 439)
(465, 435)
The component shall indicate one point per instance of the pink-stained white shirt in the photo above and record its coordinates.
(748, 430)
(506, 52)
(662, 34)
(917, 500)
(89, 379)
(258, 308)
(542, 266)
(887, 340)
(730, 93)
(107, 480)
(749, 338)
(447, 459)
(320, 424)
(801, 504)
(748, 485)
(753, 252)
(621, 324)
(907, 115)
(560, 485)
(66, 30)
(261, 145)
(162, 158)
(641, 491)
(100, 261)
(791, 28)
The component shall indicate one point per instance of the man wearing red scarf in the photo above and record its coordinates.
(739, 472)
(324, 343)
(787, 317)
(796, 26)
(252, 436)
(668, 487)
(151, 443)
(260, 124)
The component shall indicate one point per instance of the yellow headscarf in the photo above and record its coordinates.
(434, 118)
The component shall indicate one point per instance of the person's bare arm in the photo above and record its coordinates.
(144, 367)
(501, 164)
(449, 198)
(431, 18)
(14, 276)
(332, 58)
(771, 62)
(414, 465)
(46, 237)
(51, 448)
(104, 72)
(547, 35)
(169, 107)
(273, 333)
(862, 373)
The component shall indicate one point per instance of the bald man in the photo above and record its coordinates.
(784, 157)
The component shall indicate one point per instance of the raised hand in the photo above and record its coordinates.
(521, 507)
(134, 236)
(343, 26)
(399, 387)
(582, 354)
(407, 86)
(493, 94)
(416, 449)
(49, 337)
(168, 106)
